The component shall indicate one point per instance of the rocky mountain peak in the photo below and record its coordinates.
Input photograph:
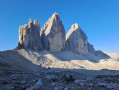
(53, 34)
(29, 36)
(75, 29)
(55, 14)
(54, 18)
(75, 26)
(30, 21)
(52, 37)
(37, 23)
(76, 40)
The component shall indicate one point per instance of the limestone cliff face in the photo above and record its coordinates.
(76, 40)
(101, 54)
(52, 37)
(91, 48)
(53, 34)
(98, 53)
(29, 36)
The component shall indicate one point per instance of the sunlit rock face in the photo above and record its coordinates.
(53, 34)
(29, 36)
(76, 40)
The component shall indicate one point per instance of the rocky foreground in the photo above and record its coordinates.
(46, 80)
(33, 70)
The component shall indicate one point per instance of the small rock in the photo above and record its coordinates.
(11, 88)
(51, 77)
(66, 88)
(23, 82)
(90, 84)
(39, 82)
(69, 78)
(80, 82)
(59, 88)
(37, 74)
(53, 84)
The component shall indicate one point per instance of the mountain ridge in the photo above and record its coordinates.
(52, 37)
(50, 47)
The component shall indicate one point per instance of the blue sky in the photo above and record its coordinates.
(99, 19)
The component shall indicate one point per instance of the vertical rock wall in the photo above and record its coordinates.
(76, 40)
(53, 34)
(29, 36)
(52, 37)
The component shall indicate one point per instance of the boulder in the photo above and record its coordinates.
(39, 82)
(53, 34)
(76, 40)
(29, 36)
(51, 77)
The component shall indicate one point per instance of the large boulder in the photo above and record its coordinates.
(76, 40)
(53, 34)
(29, 36)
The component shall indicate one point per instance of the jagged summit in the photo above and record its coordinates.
(30, 21)
(52, 37)
(29, 36)
(55, 14)
(53, 34)
(75, 26)
(54, 19)
(76, 40)
(76, 29)
(37, 23)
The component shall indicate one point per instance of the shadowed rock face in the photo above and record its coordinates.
(76, 40)
(101, 54)
(53, 34)
(91, 48)
(29, 36)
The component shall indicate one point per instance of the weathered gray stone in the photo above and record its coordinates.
(53, 34)
(101, 54)
(51, 77)
(39, 82)
(29, 36)
(91, 48)
(37, 23)
(52, 37)
(76, 40)
(97, 53)
(80, 82)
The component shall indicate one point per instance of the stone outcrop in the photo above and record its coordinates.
(97, 53)
(53, 34)
(52, 38)
(91, 48)
(101, 54)
(29, 36)
(76, 40)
